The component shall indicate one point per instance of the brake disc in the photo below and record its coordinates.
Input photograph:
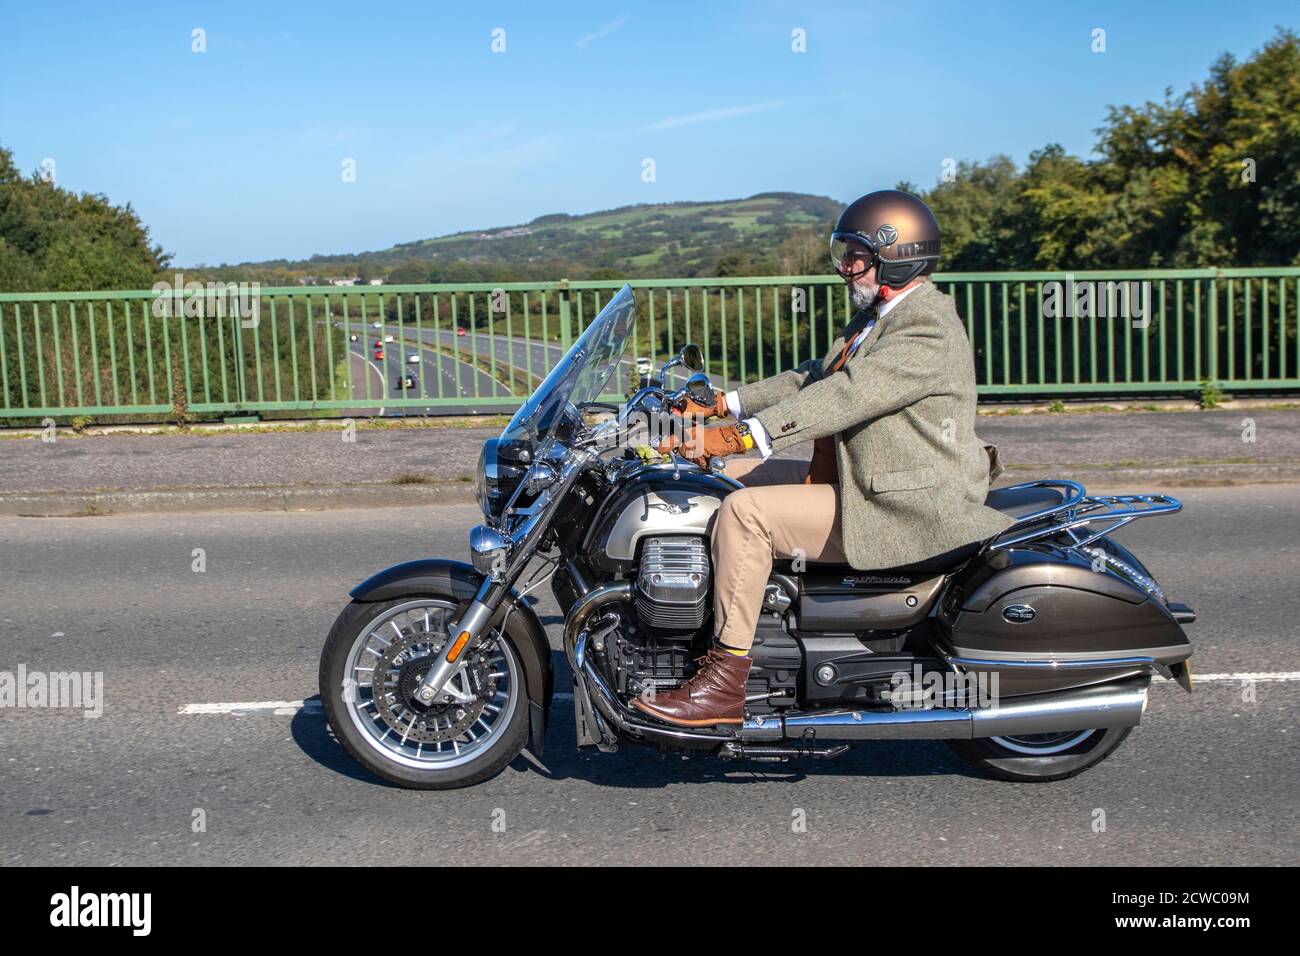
(403, 665)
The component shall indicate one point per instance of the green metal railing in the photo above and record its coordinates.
(311, 350)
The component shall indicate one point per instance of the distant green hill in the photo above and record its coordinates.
(767, 233)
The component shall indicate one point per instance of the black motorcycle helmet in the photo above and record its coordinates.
(891, 228)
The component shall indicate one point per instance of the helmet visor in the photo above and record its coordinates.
(850, 256)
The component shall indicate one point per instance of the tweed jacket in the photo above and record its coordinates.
(913, 475)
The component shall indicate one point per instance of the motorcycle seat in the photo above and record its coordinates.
(1016, 503)
(939, 564)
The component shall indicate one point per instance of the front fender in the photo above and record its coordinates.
(460, 582)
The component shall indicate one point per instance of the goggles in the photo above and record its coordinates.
(852, 254)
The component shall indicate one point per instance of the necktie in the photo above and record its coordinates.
(824, 470)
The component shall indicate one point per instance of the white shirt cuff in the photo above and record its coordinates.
(733, 405)
(761, 439)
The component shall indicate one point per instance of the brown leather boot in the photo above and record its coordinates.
(715, 694)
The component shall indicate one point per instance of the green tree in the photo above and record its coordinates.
(54, 240)
(981, 212)
(1208, 178)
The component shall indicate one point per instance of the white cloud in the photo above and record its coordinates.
(601, 33)
(709, 116)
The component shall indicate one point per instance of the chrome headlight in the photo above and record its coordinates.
(488, 550)
(496, 480)
(482, 490)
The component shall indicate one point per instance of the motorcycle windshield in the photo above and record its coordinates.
(582, 374)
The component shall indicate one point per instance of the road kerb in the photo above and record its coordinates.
(319, 497)
(263, 498)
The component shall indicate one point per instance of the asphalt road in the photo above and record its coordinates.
(367, 382)
(1208, 778)
(536, 358)
(437, 375)
(529, 355)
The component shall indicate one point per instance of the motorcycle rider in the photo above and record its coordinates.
(897, 474)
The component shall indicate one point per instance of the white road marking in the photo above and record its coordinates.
(1258, 676)
(383, 382)
(280, 707)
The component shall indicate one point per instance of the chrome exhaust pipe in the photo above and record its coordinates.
(937, 724)
(593, 686)
(1099, 706)
(609, 709)
(581, 613)
(1087, 708)
(1119, 704)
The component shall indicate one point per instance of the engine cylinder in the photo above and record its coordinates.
(673, 585)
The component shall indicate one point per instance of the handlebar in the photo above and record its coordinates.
(659, 406)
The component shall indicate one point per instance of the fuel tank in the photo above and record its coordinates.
(1047, 618)
(652, 502)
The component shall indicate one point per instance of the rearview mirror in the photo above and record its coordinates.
(700, 389)
(691, 356)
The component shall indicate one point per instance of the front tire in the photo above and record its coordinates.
(1040, 758)
(374, 657)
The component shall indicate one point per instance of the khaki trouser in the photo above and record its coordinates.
(774, 516)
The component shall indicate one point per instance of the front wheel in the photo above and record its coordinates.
(1040, 758)
(374, 660)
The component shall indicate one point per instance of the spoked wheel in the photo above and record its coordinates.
(373, 663)
(1040, 757)
(1043, 745)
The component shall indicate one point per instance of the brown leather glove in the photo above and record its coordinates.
(718, 408)
(701, 442)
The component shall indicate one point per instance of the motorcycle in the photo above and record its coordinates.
(1030, 654)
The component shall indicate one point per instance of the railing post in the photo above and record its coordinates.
(240, 384)
(566, 314)
(1213, 375)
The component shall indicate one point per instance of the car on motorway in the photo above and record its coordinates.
(379, 353)
(376, 325)
(388, 338)
(413, 358)
(460, 332)
(407, 381)
(353, 337)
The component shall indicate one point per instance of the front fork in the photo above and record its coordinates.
(468, 630)
(495, 587)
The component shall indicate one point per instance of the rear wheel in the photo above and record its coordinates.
(1040, 758)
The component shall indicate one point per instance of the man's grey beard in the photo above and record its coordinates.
(863, 298)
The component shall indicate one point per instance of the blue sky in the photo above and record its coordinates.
(236, 153)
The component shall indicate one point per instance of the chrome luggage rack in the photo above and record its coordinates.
(1080, 510)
